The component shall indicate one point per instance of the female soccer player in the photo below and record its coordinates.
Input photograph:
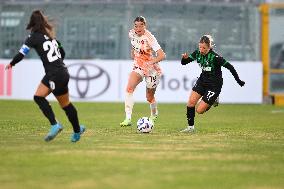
(50, 51)
(146, 66)
(209, 84)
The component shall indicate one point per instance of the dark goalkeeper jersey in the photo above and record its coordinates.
(47, 49)
(210, 64)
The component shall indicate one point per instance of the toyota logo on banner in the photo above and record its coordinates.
(87, 80)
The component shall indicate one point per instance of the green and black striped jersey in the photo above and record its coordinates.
(210, 64)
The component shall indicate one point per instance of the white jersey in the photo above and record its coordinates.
(144, 48)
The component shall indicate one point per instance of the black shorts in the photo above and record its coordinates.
(209, 93)
(58, 82)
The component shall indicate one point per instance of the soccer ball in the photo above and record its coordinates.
(144, 125)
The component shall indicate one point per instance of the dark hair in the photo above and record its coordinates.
(207, 39)
(39, 23)
(140, 19)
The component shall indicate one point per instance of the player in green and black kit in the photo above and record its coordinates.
(209, 84)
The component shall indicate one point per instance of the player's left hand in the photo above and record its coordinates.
(241, 83)
(8, 66)
(184, 55)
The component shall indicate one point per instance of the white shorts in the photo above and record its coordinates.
(152, 80)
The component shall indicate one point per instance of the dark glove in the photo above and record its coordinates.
(241, 83)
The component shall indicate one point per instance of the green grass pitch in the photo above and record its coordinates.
(234, 146)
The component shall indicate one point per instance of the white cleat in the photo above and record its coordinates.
(188, 129)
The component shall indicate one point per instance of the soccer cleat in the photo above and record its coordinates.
(216, 103)
(126, 122)
(54, 130)
(188, 129)
(76, 136)
(153, 118)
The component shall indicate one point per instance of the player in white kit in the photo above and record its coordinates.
(146, 53)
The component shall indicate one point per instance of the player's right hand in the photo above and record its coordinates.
(184, 55)
(8, 66)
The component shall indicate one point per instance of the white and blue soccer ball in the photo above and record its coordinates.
(144, 125)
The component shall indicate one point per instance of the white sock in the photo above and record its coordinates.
(129, 102)
(154, 109)
(191, 127)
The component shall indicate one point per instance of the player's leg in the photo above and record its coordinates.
(215, 104)
(72, 115)
(202, 107)
(197, 92)
(62, 95)
(209, 98)
(150, 96)
(190, 110)
(40, 95)
(134, 79)
(151, 86)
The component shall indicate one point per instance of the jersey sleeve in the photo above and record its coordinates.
(220, 60)
(131, 34)
(153, 41)
(192, 56)
(155, 45)
(28, 44)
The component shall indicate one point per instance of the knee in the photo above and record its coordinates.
(191, 103)
(64, 104)
(200, 111)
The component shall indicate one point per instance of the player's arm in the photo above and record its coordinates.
(188, 58)
(18, 57)
(24, 50)
(160, 56)
(231, 68)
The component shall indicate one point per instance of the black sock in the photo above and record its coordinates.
(72, 115)
(45, 108)
(190, 115)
